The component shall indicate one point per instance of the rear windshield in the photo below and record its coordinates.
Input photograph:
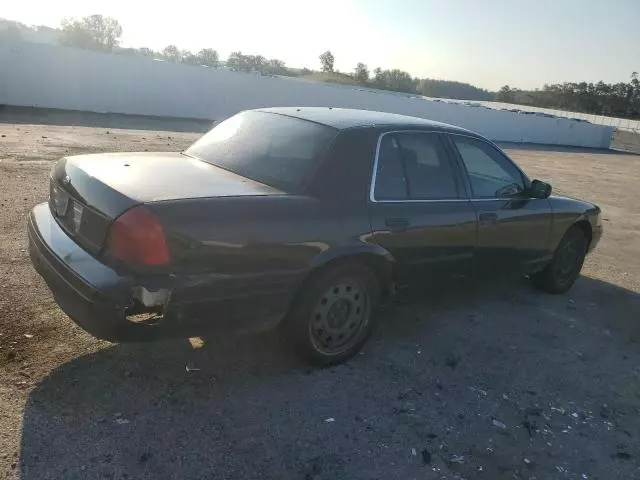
(273, 149)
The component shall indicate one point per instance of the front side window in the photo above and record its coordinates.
(490, 173)
(414, 166)
(273, 149)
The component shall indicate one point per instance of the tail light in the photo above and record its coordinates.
(137, 238)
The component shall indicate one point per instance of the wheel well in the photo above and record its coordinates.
(585, 226)
(382, 269)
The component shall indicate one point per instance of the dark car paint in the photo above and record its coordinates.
(114, 182)
(245, 249)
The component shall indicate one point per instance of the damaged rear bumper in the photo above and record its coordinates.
(99, 299)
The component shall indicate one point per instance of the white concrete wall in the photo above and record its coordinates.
(59, 77)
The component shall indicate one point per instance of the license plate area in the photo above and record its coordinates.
(69, 211)
(74, 213)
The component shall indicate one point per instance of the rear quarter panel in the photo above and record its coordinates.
(271, 235)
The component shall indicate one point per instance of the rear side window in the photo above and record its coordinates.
(273, 149)
(414, 166)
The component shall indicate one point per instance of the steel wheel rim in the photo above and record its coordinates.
(569, 259)
(339, 318)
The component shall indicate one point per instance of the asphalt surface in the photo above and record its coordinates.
(464, 381)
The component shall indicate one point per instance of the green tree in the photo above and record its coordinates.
(209, 57)
(327, 60)
(505, 94)
(172, 53)
(361, 73)
(189, 58)
(275, 67)
(94, 32)
(237, 61)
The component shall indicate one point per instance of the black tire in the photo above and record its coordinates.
(560, 275)
(334, 314)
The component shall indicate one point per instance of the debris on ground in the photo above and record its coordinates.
(498, 423)
(330, 420)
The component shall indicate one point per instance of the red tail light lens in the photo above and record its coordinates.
(137, 237)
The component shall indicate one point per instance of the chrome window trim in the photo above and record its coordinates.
(372, 197)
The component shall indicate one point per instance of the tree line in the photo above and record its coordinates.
(103, 33)
(620, 99)
(97, 32)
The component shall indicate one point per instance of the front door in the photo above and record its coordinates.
(418, 209)
(513, 229)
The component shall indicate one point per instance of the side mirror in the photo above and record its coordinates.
(539, 189)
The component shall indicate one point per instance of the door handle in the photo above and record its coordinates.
(488, 219)
(397, 224)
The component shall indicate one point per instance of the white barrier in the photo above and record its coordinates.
(49, 76)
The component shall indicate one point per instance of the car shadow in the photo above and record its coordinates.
(77, 118)
(246, 408)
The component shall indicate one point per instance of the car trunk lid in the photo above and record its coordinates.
(87, 192)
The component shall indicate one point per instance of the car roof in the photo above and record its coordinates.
(344, 118)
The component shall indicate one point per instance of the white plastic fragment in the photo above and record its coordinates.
(122, 421)
(330, 420)
(413, 452)
(28, 335)
(498, 423)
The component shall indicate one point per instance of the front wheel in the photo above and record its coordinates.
(562, 272)
(334, 315)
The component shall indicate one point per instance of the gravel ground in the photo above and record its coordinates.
(494, 381)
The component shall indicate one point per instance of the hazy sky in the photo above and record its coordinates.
(485, 42)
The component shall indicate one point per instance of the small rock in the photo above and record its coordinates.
(28, 335)
(3, 136)
(83, 468)
(44, 136)
(108, 132)
(146, 456)
(622, 455)
(413, 452)
(527, 461)
(122, 421)
(498, 423)
(11, 355)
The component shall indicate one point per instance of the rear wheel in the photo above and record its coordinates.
(562, 272)
(334, 314)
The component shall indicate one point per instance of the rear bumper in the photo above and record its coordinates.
(95, 296)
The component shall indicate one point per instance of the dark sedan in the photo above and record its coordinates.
(303, 218)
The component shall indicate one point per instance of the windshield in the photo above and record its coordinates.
(273, 149)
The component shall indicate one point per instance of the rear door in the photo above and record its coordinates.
(513, 229)
(418, 207)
